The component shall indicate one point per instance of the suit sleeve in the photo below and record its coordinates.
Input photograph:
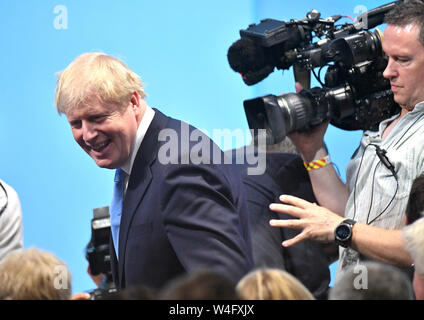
(203, 221)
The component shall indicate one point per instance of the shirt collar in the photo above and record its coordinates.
(141, 132)
(419, 107)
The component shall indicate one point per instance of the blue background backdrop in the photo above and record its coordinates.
(178, 48)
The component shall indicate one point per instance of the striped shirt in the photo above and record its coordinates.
(376, 197)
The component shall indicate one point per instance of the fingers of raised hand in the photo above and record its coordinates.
(295, 201)
(290, 223)
(297, 239)
(291, 210)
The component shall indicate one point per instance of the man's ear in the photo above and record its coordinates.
(138, 105)
(135, 99)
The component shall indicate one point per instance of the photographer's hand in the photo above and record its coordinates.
(329, 190)
(315, 222)
(318, 223)
(310, 144)
(81, 296)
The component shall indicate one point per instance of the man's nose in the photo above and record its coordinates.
(390, 71)
(89, 132)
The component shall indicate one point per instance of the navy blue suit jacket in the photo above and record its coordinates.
(180, 217)
(307, 261)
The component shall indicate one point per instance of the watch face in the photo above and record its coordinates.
(343, 232)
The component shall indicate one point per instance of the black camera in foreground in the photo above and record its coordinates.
(354, 94)
(98, 254)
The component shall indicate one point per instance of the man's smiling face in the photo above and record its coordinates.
(106, 131)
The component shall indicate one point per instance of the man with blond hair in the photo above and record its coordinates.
(170, 213)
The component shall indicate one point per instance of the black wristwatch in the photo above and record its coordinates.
(343, 233)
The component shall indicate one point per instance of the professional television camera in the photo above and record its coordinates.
(97, 253)
(354, 95)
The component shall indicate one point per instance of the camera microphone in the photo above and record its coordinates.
(381, 153)
(374, 17)
(250, 60)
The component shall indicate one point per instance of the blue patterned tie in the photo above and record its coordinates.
(116, 206)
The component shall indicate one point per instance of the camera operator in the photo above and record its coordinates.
(381, 171)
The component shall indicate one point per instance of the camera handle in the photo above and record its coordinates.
(302, 75)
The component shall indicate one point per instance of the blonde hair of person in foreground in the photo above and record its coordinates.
(272, 284)
(34, 274)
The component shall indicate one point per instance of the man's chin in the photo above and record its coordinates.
(405, 104)
(105, 164)
(399, 100)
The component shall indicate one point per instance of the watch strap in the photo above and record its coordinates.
(346, 242)
(349, 221)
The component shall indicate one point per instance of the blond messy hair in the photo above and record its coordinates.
(95, 76)
(272, 284)
(31, 274)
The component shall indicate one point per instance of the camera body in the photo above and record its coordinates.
(103, 294)
(354, 95)
(98, 254)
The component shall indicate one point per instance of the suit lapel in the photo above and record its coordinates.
(139, 180)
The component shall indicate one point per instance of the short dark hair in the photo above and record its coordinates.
(407, 12)
(415, 206)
